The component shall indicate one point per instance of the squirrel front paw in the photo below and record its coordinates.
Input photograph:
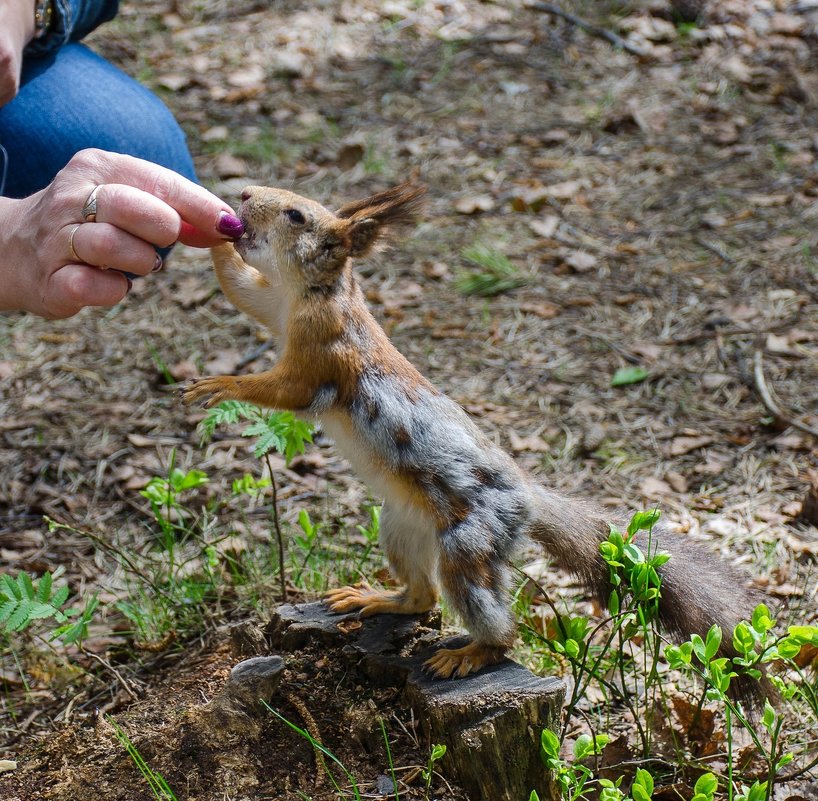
(216, 387)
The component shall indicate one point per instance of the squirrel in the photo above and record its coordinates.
(456, 506)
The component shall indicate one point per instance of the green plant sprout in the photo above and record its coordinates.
(495, 273)
(321, 752)
(435, 755)
(24, 601)
(159, 787)
(279, 431)
(596, 653)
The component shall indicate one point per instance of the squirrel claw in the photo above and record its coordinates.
(198, 388)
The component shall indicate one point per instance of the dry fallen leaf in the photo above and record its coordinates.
(533, 443)
(221, 362)
(543, 309)
(474, 204)
(348, 626)
(229, 166)
(581, 261)
(545, 226)
(653, 487)
(677, 481)
(766, 201)
(435, 270)
(682, 445)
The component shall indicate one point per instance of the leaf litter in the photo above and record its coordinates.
(663, 209)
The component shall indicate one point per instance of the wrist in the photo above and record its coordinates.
(43, 12)
(15, 262)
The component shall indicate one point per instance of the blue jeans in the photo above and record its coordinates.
(72, 99)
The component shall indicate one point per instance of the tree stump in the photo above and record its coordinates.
(490, 722)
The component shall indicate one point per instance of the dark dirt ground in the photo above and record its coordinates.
(662, 211)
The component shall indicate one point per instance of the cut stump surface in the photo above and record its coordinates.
(490, 722)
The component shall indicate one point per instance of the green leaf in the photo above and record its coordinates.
(761, 620)
(7, 608)
(643, 521)
(20, 617)
(614, 603)
(628, 375)
(743, 640)
(806, 635)
(191, 479)
(25, 585)
(583, 747)
(698, 647)
(768, 718)
(60, 596)
(712, 642)
(550, 743)
(644, 781)
(40, 611)
(44, 587)
(789, 648)
(9, 587)
(707, 784)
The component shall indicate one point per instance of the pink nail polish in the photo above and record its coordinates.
(229, 225)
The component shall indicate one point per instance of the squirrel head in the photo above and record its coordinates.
(299, 242)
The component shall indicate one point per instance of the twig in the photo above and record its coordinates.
(717, 331)
(255, 353)
(714, 248)
(312, 727)
(590, 29)
(769, 403)
(277, 527)
(111, 669)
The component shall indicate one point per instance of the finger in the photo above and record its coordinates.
(74, 286)
(106, 246)
(138, 213)
(199, 208)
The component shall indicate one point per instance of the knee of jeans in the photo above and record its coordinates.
(79, 100)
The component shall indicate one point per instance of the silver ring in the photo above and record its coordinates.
(89, 210)
(71, 250)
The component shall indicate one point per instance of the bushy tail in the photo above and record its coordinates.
(698, 588)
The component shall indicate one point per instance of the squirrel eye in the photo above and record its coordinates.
(295, 216)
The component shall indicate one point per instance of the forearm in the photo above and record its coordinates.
(16, 30)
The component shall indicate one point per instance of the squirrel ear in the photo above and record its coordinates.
(363, 235)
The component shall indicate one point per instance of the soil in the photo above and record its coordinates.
(661, 212)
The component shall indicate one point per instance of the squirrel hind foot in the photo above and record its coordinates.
(366, 601)
(449, 663)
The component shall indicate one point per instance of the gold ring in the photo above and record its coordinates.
(89, 210)
(73, 252)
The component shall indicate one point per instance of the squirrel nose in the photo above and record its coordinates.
(245, 195)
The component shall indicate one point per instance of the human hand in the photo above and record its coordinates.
(54, 261)
(16, 31)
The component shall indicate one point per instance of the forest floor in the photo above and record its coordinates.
(659, 212)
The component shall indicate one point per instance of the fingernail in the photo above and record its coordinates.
(229, 225)
(158, 264)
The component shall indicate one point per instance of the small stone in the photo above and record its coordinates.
(255, 679)
(384, 785)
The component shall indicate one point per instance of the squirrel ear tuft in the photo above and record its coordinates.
(371, 219)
